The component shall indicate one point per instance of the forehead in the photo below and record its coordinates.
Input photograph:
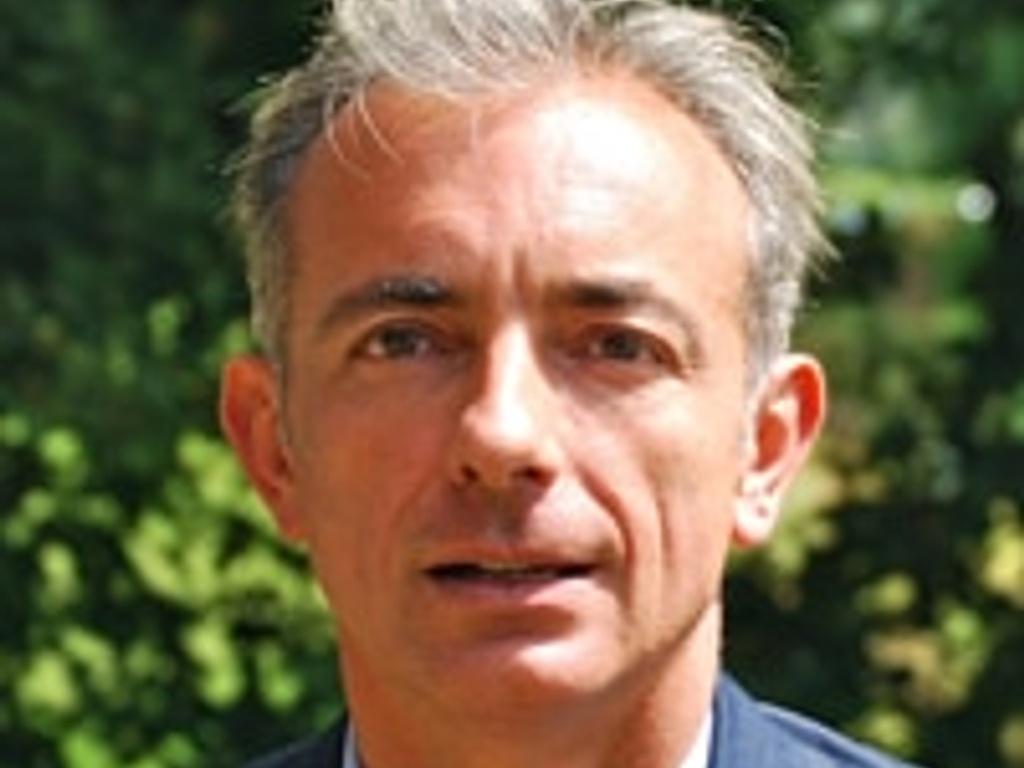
(613, 124)
(581, 162)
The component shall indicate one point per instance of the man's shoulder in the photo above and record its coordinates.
(322, 751)
(833, 748)
(747, 733)
(751, 733)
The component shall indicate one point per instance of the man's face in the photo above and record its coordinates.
(515, 434)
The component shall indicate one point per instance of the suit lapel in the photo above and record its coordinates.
(745, 737)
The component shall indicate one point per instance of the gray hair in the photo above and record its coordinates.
(457, 48)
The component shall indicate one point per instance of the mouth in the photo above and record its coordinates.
(511, 574)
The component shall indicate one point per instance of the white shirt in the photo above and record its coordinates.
(699, 755)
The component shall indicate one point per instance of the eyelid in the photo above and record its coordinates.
(656, 349)
(433, 335)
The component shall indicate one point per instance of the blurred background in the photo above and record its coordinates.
(149, 618)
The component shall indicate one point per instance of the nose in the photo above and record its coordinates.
(505, 437)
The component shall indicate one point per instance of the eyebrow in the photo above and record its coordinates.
(620, 293)
(390, 292)
(424, 291)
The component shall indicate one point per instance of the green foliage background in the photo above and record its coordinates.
(149, 617)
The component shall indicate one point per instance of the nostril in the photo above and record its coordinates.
(502, 473)
(468, 475)
(532, 474)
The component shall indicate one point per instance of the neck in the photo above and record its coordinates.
(648, 719)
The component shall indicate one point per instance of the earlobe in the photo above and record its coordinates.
(250, 415)
(786, 419)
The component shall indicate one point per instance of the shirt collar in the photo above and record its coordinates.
(349, 756)
(699, 755)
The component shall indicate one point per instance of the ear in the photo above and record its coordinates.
(251, 416)
(786, 416)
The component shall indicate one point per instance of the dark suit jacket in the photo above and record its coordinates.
(747, 735)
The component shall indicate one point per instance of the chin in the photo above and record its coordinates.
(521, 673)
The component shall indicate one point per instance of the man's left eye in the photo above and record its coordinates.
(624, 346)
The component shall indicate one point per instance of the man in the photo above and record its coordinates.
(523, 275)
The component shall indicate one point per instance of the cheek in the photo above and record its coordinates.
(365, 441)
(343, 472)
(364, 466)
(674, 484)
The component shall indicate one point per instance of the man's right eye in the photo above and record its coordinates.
(397, 341)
